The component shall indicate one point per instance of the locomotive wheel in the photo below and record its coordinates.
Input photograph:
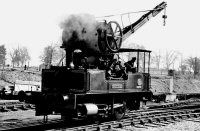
(21, 96)
(114, 36)
(137, 105)
(119, 113)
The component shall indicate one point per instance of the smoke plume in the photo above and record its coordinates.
(80, 31)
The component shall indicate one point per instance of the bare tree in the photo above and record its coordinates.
(183, 68)
(170, 58)
(2, 55)
(183, 65)
(24, 55)
(60, 56)
(19, 56)
(12, 56)
(49, 55)
(194, 64)
(46, 57)
(15, 56)
(156, 58)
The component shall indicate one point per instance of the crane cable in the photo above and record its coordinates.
(128, 13)
(164, 17)
(134, 12)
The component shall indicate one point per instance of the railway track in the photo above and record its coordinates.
(15, 106)
(159, 116)
(7, 102)
(29, 125)
(150, 119)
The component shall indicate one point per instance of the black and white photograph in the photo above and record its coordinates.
(99, 65)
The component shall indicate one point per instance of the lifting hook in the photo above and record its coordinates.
(164, 17)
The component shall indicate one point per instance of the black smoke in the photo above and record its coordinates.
(80, 30)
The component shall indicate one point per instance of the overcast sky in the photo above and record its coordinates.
(35, 23)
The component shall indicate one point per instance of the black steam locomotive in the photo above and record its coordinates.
(95, 80)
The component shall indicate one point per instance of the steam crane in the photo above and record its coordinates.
(94, 71)
(118, 35)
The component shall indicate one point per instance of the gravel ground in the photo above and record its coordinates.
(22, 115)
(178, 126)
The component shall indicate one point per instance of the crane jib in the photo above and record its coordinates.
(128, 30)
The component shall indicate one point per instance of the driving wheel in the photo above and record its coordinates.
(119, 113)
